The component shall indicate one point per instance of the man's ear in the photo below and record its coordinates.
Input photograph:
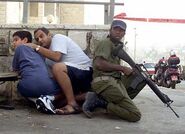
(49, 34)
(25, 40)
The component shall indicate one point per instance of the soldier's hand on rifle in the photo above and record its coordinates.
(127, 70)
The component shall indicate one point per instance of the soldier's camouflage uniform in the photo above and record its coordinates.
(114, 87)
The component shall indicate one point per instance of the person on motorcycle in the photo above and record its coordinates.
(173, 60)
(160, 63)
(173, 68)
(160, 69)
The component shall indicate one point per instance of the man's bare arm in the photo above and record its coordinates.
(52, 55)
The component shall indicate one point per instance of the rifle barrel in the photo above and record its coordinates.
(118, 51)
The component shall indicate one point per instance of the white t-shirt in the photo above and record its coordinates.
(72, 54)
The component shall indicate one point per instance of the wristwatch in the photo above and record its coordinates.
(37, 48)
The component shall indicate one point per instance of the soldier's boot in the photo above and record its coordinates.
(92, 102)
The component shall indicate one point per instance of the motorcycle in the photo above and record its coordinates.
(159, 75)
(172, 76)
(168, 73)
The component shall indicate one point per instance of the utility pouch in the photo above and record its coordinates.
(135, 82)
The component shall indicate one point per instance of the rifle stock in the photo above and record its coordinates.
(118, 51)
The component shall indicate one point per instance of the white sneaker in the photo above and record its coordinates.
(45, 105)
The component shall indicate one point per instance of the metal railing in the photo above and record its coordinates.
(108, 6)
(67, 2)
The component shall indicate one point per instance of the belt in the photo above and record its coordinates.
(103, 78)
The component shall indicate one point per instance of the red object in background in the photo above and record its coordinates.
(158, 20)
(150, 68)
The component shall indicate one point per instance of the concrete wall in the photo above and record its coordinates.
(71, 14)
(2, 12)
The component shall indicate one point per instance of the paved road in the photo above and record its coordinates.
(181, 85)
(156, 118)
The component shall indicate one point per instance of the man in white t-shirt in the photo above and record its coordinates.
(70, 66)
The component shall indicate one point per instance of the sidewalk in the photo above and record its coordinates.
(156, 119)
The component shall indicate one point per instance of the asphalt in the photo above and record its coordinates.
(156, 118)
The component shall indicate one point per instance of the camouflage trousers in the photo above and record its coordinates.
(119, 94)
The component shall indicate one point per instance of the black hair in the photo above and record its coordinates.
(23, 34)
(43, 29)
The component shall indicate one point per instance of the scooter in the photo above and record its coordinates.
(172, 76)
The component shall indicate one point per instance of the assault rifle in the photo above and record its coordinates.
(118, 51)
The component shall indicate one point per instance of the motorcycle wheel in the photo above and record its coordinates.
(173, 84)
(159, 82)
(168, 83)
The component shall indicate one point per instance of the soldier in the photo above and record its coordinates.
(114, 85)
